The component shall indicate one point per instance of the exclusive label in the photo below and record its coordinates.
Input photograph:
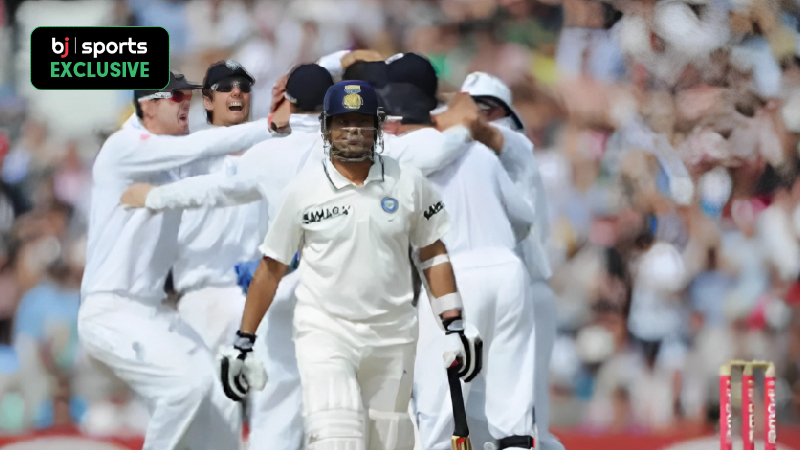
(99, 58)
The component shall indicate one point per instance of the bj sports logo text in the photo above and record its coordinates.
(100, 58)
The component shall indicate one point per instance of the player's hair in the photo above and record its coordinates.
(209, 113)
(138, 108)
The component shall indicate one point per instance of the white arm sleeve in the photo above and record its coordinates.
(333, 64)
(205, 191)
(519, 162)
(437, 152)
(517, 203)
(430, 221)
(158, 153)
(285, 235)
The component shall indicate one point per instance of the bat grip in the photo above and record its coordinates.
(457, 397)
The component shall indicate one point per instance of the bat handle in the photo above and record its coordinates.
(459, 410)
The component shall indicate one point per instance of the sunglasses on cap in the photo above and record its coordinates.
(175, 96)
(227, 85)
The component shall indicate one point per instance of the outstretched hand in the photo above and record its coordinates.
(280, 108)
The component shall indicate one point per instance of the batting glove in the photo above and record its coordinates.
(240, 370)
(463, 347)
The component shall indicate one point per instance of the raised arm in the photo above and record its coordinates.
(159, 153)
(517, 202)
(439, 151)
(205, 191)
(242, 179)
(515, 151)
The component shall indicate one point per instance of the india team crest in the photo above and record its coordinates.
(353, 99)
(389, 204)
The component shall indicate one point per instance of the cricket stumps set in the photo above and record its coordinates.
(748, 369)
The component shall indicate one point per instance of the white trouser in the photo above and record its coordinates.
(167, 364)
(214, 312)
(544, 314)
(355, 391)
(276, 416)
(494, 286)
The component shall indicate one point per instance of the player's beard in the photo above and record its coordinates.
(353, 147)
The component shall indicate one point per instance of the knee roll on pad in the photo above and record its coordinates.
(516, 442)
(337, 429)
(390, 431)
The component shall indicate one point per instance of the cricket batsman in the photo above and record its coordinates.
(353, 218)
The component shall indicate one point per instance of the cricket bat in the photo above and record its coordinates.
(460, 439)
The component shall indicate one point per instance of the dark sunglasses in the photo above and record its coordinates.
(486, 103)
(179, 96)
(227, 85)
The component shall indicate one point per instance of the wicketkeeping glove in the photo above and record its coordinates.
(240, 370)
(463, 346)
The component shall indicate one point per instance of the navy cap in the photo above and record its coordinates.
(177, 82)
(376, 73)
(307, 86)
(351, 96)
(415, 69)
(409, 102)
(224, 69)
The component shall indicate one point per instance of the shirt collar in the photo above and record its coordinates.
(339, 181)
(307, 123)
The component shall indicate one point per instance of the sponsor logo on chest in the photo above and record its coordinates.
(319, 214)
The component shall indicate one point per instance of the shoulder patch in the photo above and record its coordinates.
(432, 210)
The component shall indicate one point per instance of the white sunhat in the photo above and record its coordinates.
(481, 84)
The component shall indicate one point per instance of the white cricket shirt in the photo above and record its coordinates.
(354, 240)
(131, 250)
(214, 238)
(485, 207)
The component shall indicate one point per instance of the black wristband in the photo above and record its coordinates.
(244, 341)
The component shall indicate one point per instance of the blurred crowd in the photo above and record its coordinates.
(666, 132)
